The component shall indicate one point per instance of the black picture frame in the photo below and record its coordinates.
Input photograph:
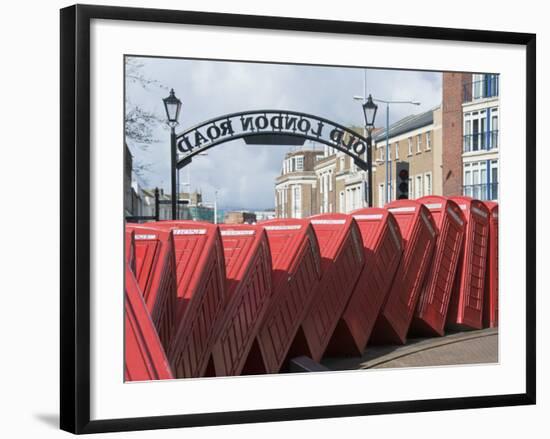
(75, 217)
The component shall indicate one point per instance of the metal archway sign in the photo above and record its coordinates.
(247, 124)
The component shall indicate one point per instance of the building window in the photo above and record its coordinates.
(475, 131)
(342, 206)
(397, 151)
(299, 163)
(282, 200)
(494, 130)
(296, 201)
(493, 189)
(342, 163)
(419, 143)
(481, 179)
(329, 175)
(428, 140)
(428, 183)
(382, 155)
(410, 146)
(418, 187)
(477, 86)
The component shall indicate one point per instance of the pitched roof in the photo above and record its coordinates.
(407, 124)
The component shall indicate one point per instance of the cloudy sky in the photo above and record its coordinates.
(243, 175)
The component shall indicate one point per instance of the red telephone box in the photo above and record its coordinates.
(490, 301)
(419, 235)
(201, 294)
(382, 249)
(466, 305)
(248, 269)
(144, 356)
(431, 311)
(296, 272)
(155, 273)
(342, 260)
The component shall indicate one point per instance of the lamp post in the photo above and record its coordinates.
(172, 105)
(369, 110)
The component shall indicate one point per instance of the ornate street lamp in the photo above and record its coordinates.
(172, 105)
(369, 109)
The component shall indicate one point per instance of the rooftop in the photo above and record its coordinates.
(407, 124)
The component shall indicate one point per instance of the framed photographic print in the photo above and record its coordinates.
(304, 218)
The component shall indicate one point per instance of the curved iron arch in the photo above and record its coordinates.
(241, 125)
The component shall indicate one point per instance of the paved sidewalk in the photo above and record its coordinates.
(472, 347)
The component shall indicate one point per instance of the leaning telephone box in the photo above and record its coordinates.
(431, 311)
(296, 273)
(342, 260)
(144, 356)
(155, 273)
(419, 235)
(382, 249)
(248, 269)
(466, 305)
(490, 300)
(201, 294)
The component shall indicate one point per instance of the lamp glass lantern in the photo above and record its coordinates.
(370, 108)
(172, 105)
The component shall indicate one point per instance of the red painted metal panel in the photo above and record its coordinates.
(155, 272)
(490, 301)
(248, 269)
(342, 260)
(201, 294)
(130, 250)
(419, 235)
(382, 248)
(433, 304)
(144, 356)
(296, 272)
(466, 305)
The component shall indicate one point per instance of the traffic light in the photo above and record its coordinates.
(402, 183)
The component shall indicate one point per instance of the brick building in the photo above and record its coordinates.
(452, 124)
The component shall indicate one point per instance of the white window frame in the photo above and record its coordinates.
(410, 146)
(397, 151)
(428, 177)
(418, 186)
(296, 201)
(428, 140)
(299, 160)
(418, 143)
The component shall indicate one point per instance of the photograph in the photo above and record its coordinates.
(283, 218)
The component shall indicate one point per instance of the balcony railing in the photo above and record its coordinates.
(483, 141)
(487, 87)
(482, 191)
